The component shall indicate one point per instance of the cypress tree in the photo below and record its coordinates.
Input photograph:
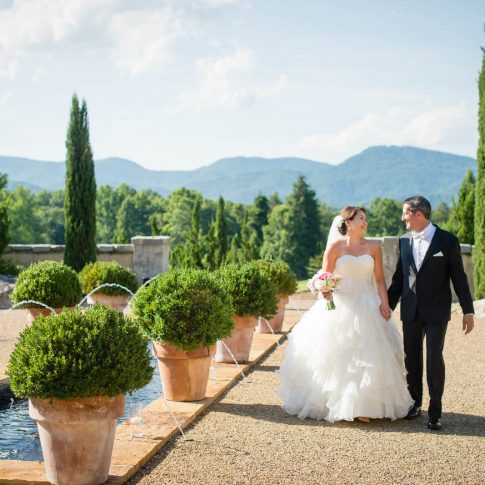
(210, 248)
(260, 217)
(479, 249)
(221, 233)
(80, 194)
(461, 221)
(194, 256)
(4, 217)
(233, 252)
(249, 246)
(305, 220)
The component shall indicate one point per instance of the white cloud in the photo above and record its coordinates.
(139, 37)
(224, 82)
(4, 98)
(449, 128)
(30, 24)
(220, 3)
(143, 39)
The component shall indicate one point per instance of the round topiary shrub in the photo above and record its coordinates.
(98, 273)
(280, 275)
(252, 292)
(186, 308)
(49, 282)
(98, 352)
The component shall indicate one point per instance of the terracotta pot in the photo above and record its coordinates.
(239, 342)
(77, 436)
(184, 375)
(35, 312)
(277, 321)
(117, 302)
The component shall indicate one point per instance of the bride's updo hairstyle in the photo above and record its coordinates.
(347, 214)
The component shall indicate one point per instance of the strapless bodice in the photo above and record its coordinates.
(357, 272)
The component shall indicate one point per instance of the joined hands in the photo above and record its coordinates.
(385, 311)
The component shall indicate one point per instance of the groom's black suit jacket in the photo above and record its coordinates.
(428, 290)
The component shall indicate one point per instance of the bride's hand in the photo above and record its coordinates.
(385, 311)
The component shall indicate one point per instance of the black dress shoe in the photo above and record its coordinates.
(435, 424)
(414, 412)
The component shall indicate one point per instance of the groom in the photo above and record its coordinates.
(428, 258)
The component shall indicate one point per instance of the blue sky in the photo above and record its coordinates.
(180, 84)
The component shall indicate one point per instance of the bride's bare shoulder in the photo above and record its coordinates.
(335, 246)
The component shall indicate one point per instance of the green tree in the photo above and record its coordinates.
(384, 218)
(25, 225)
(4, 217)
(248, 241)
(441, 214)
(274, 200)
(462, 214)
(135, 214)
(479, 249)
(49, 208)
(306, 229)
(233, 256)
(259, 217)
(210, 248)
(80, 193)
(221, 233)
(188, 254)
(108, 203)
(177, 216)
(279, 241)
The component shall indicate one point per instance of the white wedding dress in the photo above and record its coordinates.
(347, 362)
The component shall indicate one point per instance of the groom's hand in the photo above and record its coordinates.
(468, 323)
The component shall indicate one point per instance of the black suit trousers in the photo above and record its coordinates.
(414, 333)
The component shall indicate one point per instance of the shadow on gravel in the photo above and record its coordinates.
(454, 424)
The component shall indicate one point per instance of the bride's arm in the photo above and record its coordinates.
(380, 281)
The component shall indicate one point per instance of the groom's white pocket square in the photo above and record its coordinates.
(438, 254)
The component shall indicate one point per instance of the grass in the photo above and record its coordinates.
(302, 285)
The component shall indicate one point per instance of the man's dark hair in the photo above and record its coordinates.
(419, 203)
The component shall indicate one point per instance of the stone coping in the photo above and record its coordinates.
(130, 454)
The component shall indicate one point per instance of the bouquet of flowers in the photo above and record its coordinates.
(325, 281)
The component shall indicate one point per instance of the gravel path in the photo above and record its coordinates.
(247, 438)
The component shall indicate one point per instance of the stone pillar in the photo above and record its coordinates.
(390, 255)
(150, 256)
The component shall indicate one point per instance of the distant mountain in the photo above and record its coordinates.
(382, 171)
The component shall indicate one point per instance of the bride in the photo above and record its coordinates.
(347, 363)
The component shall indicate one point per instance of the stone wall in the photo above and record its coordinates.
(146, 255)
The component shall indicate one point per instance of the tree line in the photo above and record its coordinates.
(206, 233)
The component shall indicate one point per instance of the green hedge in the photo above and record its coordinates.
(96, 274)
(280, 275)
(252, 292)
(48, 282)
(185, 308)
(79, 354)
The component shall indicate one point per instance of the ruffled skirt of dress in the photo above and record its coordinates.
(344, 363)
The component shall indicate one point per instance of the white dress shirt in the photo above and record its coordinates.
(421, 243)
